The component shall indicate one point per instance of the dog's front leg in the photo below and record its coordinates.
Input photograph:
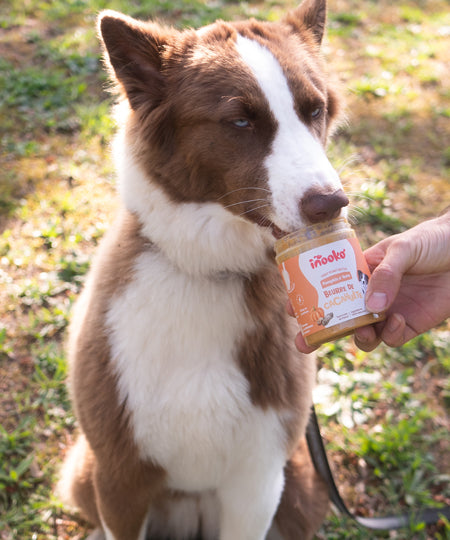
(249, 499)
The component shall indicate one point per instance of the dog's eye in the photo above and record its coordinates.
(241, 123)
(316, 113)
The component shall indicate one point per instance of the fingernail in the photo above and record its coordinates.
(361, 335)
(361, 338)
(376, 302)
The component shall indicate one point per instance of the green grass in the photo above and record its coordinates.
(379, 406)
(384, 414)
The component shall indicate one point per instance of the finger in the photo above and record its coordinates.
(290, 309)
(386, 278)
(302, 346)
(375, 254)
(394, 331)
(366, 338)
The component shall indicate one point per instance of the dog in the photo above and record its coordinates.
(190, 396)
(363, 281)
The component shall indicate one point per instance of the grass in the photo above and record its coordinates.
(383, 403)
(384, 414)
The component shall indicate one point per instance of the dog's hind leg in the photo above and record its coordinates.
(124, 496)
(305, 502)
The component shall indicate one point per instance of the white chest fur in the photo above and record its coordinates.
(173, 340)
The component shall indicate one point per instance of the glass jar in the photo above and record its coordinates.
(326, 276)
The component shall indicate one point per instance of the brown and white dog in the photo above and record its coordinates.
(190, 395)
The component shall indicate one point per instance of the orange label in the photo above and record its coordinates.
(327, 284)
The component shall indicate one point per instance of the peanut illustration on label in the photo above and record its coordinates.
(317, 315)
(326, 319)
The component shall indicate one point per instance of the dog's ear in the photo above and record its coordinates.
(133, 51)
(310, 17)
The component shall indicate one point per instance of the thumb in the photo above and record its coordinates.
(386, 278)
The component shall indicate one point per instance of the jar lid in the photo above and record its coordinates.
(309, 233)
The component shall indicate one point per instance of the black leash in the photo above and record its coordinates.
(318, 454)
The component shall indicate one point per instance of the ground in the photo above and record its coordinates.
(384, 414)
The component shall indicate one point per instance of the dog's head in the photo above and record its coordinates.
(234, 115)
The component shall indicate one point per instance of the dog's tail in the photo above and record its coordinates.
(75, 487)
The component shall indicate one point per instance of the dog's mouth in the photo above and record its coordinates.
(277, 232)
(265, 222)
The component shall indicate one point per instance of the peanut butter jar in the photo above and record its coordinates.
(326, 277)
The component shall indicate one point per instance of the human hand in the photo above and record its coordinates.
(410, 281)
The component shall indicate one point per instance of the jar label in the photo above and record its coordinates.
(327, 284)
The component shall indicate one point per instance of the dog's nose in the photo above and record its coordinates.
(319, 206)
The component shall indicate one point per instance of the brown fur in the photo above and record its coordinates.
(111, 449)
(154, 70)
(160, 125)
(304, 502)
(273, 384)
(106, 424)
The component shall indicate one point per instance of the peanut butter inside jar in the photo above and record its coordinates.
(326, 277)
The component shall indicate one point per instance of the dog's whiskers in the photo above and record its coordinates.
(347, 162)
(245, 202)
(357, 212)
(242, 189)
(254, 209)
